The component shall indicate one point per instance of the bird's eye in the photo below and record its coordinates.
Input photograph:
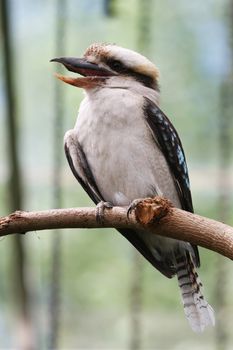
(116, 65)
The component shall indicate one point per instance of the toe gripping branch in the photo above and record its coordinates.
(146, 211)
(100, 208)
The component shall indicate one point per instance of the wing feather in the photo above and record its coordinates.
(166, 136)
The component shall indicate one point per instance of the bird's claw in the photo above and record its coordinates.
(100, 208)
(133, 206)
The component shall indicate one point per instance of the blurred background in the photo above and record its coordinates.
(89, 289)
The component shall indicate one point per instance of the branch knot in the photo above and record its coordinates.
(151, 210)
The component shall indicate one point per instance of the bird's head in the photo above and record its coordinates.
(103, 62)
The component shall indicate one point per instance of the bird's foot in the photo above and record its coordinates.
(133, 205)
(100, 208)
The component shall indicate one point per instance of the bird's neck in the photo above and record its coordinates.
(128, 84)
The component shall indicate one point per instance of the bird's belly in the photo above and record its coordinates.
(122, 154)
(126, 171)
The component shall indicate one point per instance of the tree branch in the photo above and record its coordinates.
(156, 215)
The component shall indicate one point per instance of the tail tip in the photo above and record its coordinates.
(202, 319)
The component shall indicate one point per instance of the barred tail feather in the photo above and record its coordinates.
(197, 310)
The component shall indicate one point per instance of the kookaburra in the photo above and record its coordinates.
(123, 147)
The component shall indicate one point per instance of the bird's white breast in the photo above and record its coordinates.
(124, 158)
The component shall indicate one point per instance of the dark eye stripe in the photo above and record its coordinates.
(120, 68)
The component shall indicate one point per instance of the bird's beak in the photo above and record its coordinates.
(93, 73)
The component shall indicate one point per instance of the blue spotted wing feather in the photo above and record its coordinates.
(169, 142)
